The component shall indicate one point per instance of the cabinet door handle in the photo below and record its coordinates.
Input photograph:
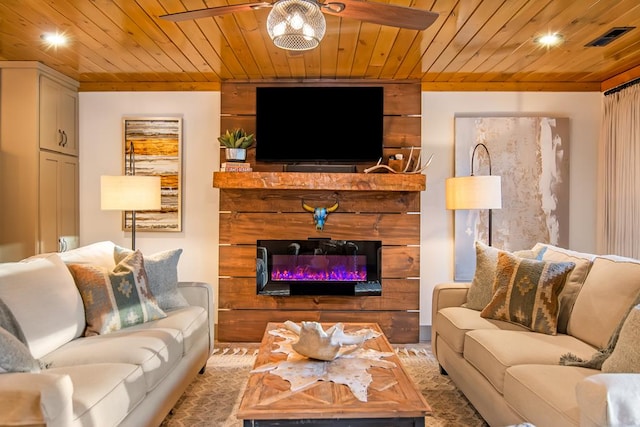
(64, 138)
(61, 140)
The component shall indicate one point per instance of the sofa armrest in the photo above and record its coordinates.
(201, 294)
(609, 400)
(451, 294)
(36, 399)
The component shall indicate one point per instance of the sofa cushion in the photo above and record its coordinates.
(104, 393)
(545, 394)
(162, 271)
(118, 298)
(42, 296)
(492, 351)
(615, 280)
(452, 323)
(99, 253)
(191, 321)
(626, 353)
(583, 262)
(482, 285)
(527, 292)
(156, 351)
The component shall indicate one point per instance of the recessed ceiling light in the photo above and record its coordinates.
(548, 40)
(54, 39)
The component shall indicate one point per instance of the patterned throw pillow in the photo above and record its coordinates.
(576, 279)
(162, 271)
(115, 299)
(626, 357)
(481, 289)
(527, 292)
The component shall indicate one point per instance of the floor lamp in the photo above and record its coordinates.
(475, 192)
(130, 193)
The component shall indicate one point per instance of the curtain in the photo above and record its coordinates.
(619, 174)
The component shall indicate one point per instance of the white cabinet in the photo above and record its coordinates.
(58, 107)
(39, 195)
(58, 202)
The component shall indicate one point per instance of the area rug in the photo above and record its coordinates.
(213, 398)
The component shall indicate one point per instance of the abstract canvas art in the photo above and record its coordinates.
(157, 145)
(531, 154)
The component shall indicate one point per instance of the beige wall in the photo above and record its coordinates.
(100, 151)
(101, 116)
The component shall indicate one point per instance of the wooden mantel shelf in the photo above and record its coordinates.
(320, 181)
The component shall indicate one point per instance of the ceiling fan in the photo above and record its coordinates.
(300, 24)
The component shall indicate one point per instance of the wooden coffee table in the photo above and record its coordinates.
(392, 397)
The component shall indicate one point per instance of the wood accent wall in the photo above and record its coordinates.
(267, 205)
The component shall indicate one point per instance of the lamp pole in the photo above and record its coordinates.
(132, 170)
(473, 154)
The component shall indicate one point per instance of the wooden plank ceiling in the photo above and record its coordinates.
(473, 45)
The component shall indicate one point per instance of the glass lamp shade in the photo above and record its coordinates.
(296, 24)
(474, 192)
(130, 193)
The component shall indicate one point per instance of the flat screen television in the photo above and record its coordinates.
(308, 124)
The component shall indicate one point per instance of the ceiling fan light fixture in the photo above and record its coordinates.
(296, 24)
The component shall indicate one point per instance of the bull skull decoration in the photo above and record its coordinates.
(320, 214)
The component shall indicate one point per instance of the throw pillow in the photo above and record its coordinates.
(575, 280)
(527, 292)
(45, 301)
(118, 298)
(15, 355)
(9, 323)
(162, 271)
(481, 289)
(625, 356)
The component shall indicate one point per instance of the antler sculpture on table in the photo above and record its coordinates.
(416, 167)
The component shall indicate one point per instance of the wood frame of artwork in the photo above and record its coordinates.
(531, 154)
(157, 145)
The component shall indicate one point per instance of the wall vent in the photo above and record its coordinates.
(609, 36)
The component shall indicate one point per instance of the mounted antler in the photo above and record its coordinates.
(417, 168)
(320, 213)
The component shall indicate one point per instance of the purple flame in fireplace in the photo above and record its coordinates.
(339, 268)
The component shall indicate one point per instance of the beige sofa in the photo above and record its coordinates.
(513, 375)
(129, 377)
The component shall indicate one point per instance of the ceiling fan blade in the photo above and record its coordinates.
(382, 13)
(214, 11)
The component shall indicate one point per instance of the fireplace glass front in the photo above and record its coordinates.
(318, 267)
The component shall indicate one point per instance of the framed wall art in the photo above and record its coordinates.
(153, 146)
(531, 154)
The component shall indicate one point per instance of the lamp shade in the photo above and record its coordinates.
(474, 192)
(130, 193)
(296, 24)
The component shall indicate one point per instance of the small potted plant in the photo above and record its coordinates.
(236, 142)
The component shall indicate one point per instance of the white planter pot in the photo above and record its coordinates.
(236, 154)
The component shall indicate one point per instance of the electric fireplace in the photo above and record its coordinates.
(318, 267)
